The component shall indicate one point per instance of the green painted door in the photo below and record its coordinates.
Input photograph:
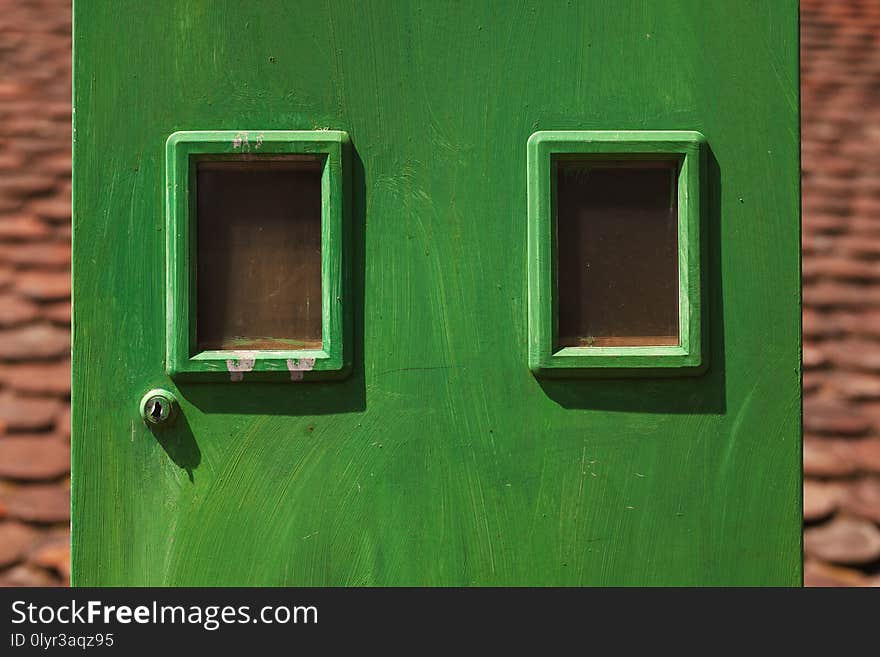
(461, 432)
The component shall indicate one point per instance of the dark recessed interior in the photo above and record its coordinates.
(259, 253)
(617, 251)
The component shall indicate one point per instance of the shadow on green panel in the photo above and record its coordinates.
(705, 393)
(313, 398)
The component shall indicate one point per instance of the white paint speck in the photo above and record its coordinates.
(243, 362)
(241, 141)
(298, 366)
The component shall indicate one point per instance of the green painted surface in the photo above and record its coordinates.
(442, 459)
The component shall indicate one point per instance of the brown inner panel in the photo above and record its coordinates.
(617, 249)
(259, 253)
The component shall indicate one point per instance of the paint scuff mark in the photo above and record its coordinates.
(241, 141)
(243, 362)
(297, 366)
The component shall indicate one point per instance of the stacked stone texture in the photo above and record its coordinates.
(840, 94)
(34, 292)
(840, 55)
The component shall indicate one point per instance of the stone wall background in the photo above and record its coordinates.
(840, 95)
(34, 291)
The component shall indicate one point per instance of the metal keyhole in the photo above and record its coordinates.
(157, 410)
(158, 407)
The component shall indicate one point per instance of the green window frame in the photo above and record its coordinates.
(332, 360)
(545, 148)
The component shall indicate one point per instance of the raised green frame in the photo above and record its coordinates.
(183, 149)
(545, 149)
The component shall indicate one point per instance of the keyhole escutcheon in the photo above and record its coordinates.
(158, 407)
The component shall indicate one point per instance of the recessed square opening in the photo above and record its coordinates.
(259, 253)
(617, 252)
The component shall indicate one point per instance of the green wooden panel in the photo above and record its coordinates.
(441, 459)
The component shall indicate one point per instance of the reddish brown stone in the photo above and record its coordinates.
(843, 540)
(861, 246)
(58, 109)
(28, 413)
(867, 454)
(812, 322)
(820, 499)
(63, 232)
(58, 312)
(814, 357)
(52, 209)
(34, 458)
(10, 161)
(870, 408)
(855, 354)
(867, 225)
(818, 574)
(828, 458)
(33, 147)
(820, 325)
(12, 89)
(835, 419)
(862, 499)
(837, 295)
(33, 342)
(22, 228)
(38, 378)
(48, 255)
(9, 204)
(816, 222)
(15, 541)
(43, 503)
(6, 277)
(53, 554)
(62, 424)
(869, 208)
(816, 244)
(57, 163)
(813, 381)
(30, 125)
(44, 285)
(834, 267)
(856, 386)
(28, 575)
(15, 310)
(25, 184)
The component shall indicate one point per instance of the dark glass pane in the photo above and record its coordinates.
(617, 246)
(259, 254)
